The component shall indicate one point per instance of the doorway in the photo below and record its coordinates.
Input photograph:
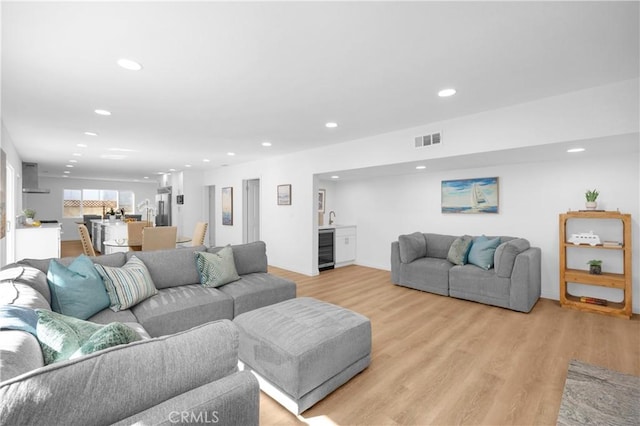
(251, 211)
(11, 214)
(212, 216)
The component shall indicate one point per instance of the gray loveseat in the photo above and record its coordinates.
(183, 370)
(419, 261)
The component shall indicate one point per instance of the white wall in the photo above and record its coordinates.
(7, 145)
(190, 185)
(290, 232)
(50, 206)
(532, 195)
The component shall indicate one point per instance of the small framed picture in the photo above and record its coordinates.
(227, 206)
(284, 195)
(322, 197)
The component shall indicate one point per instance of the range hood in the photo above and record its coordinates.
(30, 179)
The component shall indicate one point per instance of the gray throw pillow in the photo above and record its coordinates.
(459, 250)
(218, 268)
(412, 247)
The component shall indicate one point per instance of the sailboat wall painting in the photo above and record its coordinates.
(478, 195)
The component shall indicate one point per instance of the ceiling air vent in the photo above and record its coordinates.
(428, 140)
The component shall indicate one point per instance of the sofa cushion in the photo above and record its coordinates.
(19, 353)
(216, 269)
(412, 247)
(19, 294)
(482, 251)
(257, 290)
(106, 316)
(170, 268)
(471, 283)
(62, 337)
(113, 259)
(77, 290)
(129, 285)
(176, 309)
(505, 255)
(249, 258)
(28, 275)
(427, 274)
(459, 250)
(438, 245)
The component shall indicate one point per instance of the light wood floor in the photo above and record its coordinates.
(442, 361)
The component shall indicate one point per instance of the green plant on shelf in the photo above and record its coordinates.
(29, 213)
(595, 266)
(591, 195)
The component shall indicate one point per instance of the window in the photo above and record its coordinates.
(78, 202)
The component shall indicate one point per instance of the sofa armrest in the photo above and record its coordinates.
(232, 400)
(113, 384)
(526, 280)
(395, 262)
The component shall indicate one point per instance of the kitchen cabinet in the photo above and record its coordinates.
(345, 245)
(104, 230)
(38, 242)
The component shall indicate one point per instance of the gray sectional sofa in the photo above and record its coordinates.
(419, 261)
(184, 370)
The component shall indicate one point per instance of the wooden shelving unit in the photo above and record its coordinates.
(619, 281)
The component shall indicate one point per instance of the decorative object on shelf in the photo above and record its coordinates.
(148, 208)
(593, 301)
(595, 266)
(227, 206)
(591, 196)
(585, 238)
(29, 215)
(479, 195)
(284, 195)
(111, 214)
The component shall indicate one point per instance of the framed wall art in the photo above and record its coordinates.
(284, 195)
(478, 195)
(322, 197)
(227, 206)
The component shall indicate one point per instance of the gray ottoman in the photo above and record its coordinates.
(303, 349)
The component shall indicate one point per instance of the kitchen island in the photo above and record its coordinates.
(105, 230)
(38, 242)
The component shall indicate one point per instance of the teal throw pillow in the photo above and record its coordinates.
(459, 250)
(129, 285)
(217, 268)
(62, 337)
(482, 251)
(77, 290)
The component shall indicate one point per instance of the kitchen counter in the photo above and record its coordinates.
(42, 226)
(38, 242)
(104, 230)
(335, 226)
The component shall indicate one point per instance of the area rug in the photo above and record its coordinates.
(597, 396)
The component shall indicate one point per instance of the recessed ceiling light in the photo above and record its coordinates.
(159, 173)
(102, 112)
(421, 167)
(122, 150)
(73, 161)
(67, 171)
(187, 165)
(266, 143)
(331, 125)
(69, 165)
(146, 177)
(130, 65)
(82, 145)
(335, 177)
(231, 154)
(444, 93)
(90, 133)
(205, 160)
(172, 170)
(576, 150)
(113, 156)
(77, 154)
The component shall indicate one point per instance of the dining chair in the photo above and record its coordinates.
(199, 233)
(159, 237)
(87, 246)
(134, 234)
(87, 218)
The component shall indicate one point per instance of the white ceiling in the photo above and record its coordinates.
(223, 77)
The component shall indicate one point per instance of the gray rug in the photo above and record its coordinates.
(597, 396)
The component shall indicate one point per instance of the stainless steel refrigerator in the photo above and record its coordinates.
(163, 206)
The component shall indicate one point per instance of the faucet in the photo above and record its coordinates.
(331, 219)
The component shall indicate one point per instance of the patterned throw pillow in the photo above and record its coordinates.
(218, 268)
(129, 285)
(62, 337)
(459, 250)
(76, 290)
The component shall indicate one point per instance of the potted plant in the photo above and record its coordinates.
(591, 196)
(29, 215)
(111, 214)
(595, 266)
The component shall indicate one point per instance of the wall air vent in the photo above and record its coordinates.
(428, 140)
